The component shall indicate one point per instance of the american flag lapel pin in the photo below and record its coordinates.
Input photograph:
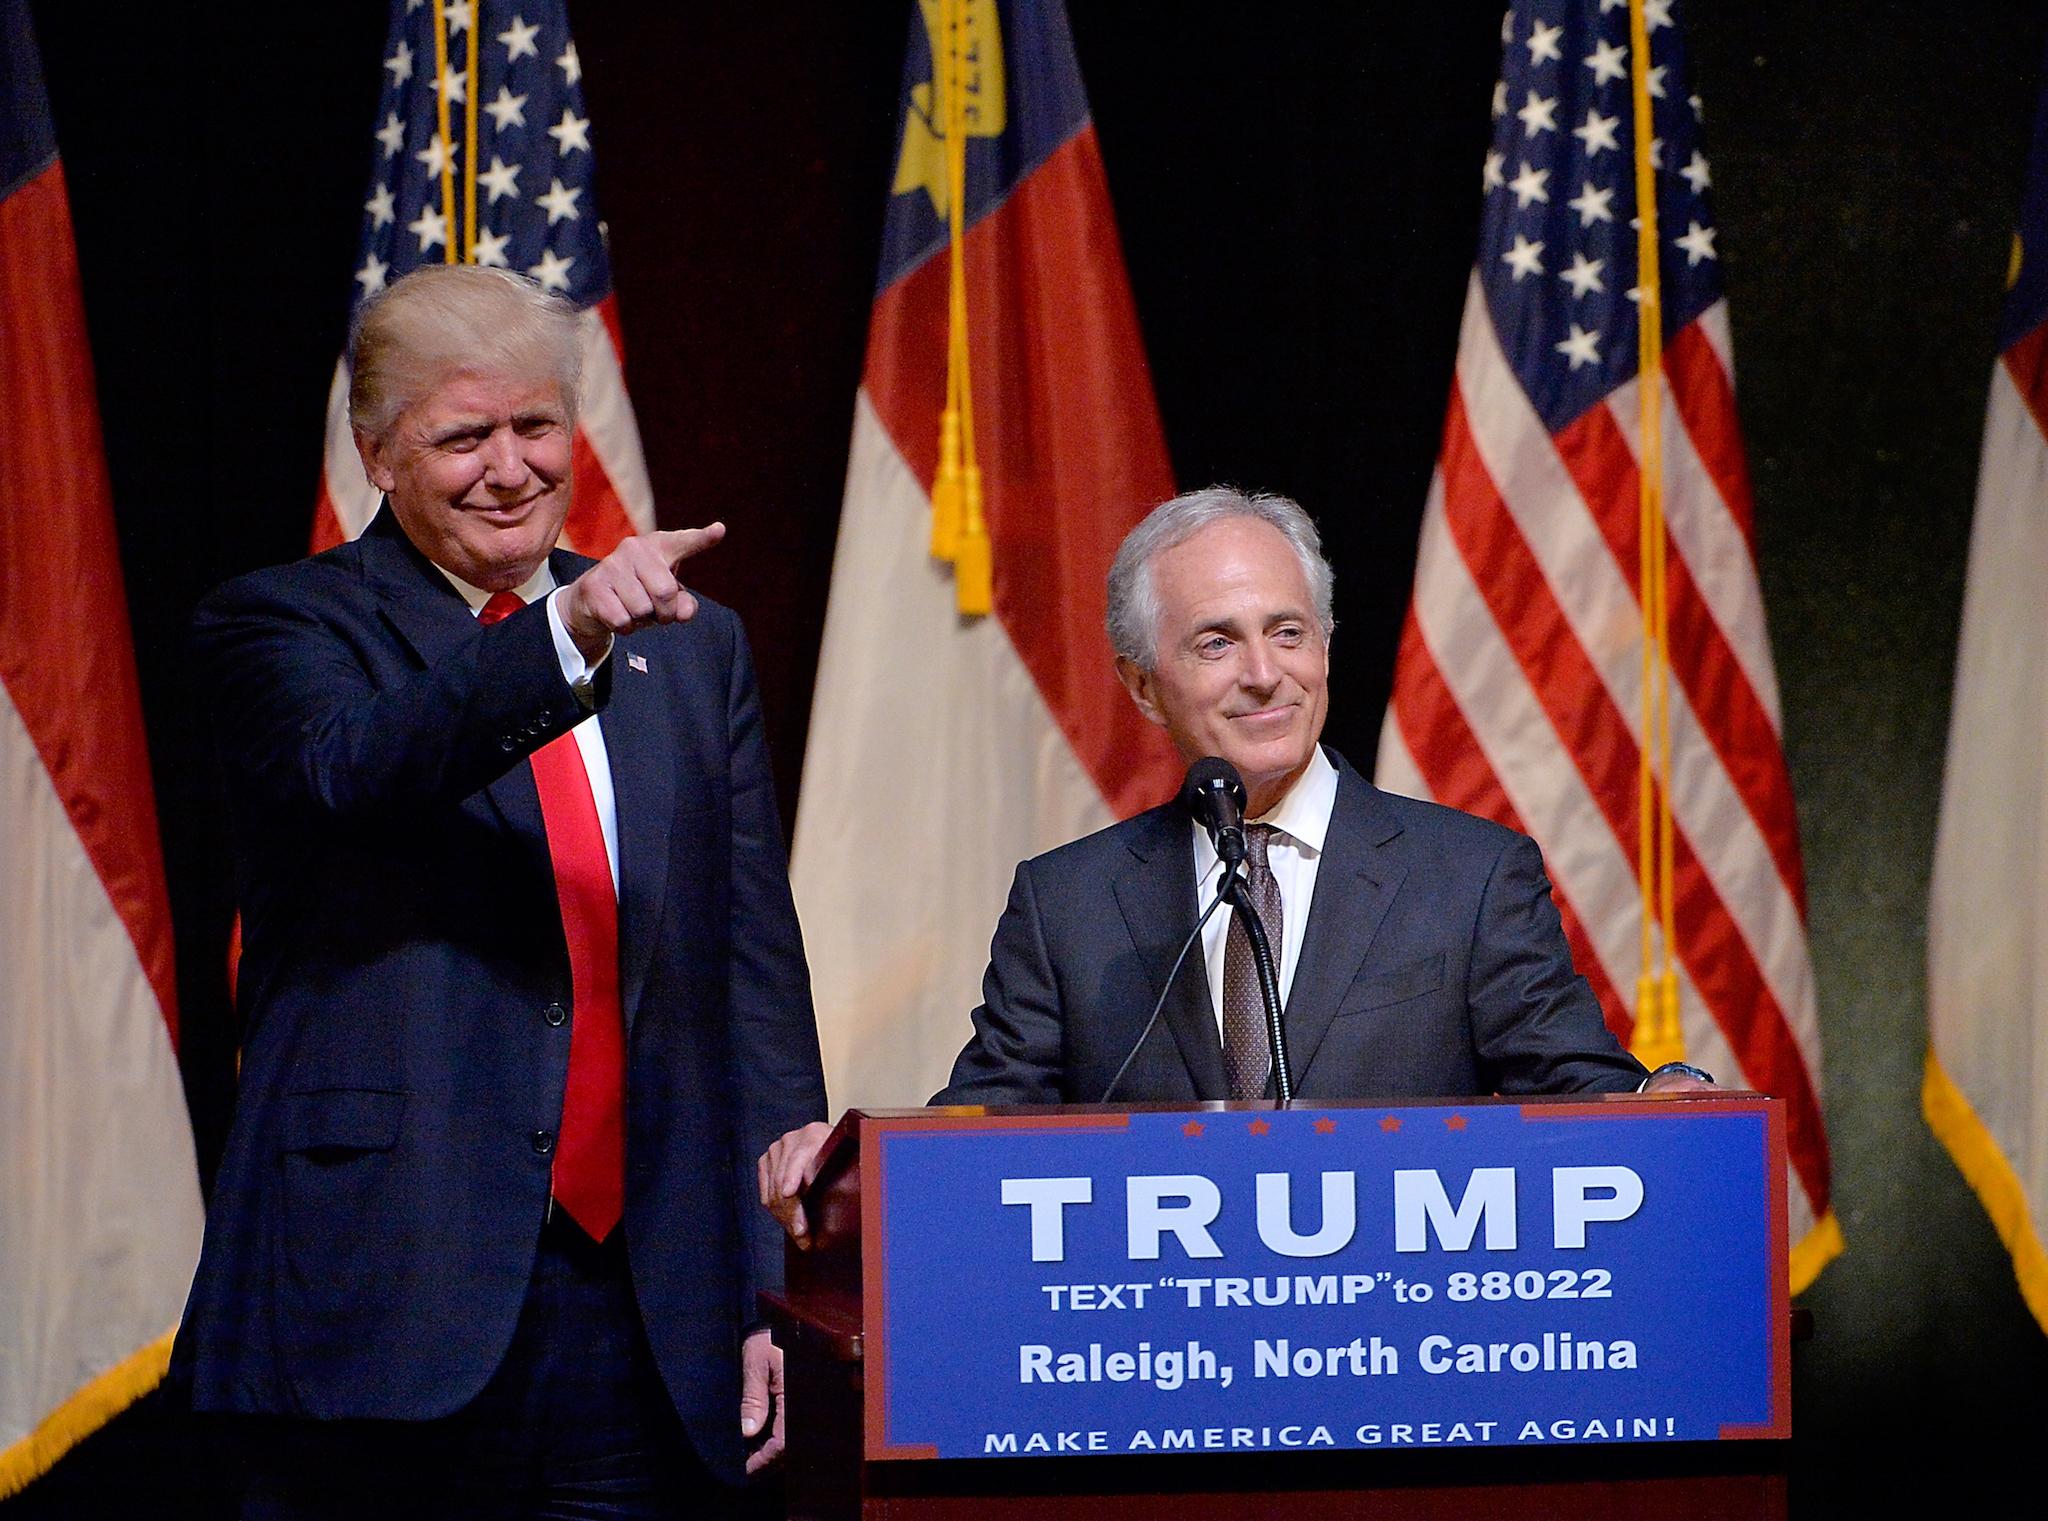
(638, 663)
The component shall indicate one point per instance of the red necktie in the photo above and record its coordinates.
(590, 1154)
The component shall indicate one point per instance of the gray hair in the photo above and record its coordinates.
(1134, 613)
(446, 319)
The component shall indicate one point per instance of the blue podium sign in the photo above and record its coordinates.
(1491, 1273)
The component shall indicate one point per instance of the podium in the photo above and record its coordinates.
(1577, 1308)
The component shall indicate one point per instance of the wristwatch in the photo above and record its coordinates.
(1683, 1069)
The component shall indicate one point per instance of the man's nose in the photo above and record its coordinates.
(1259, 671)
(504, 461)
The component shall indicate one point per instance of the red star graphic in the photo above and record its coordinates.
(1391, 1122)
(1258, 1127)
(1325, 1126)
(1192, 1127)
(1454, 1122)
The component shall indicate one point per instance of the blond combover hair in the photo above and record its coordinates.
(444, 320)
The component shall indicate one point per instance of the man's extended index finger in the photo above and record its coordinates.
(678, 544)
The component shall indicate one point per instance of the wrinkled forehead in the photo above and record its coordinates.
(1237, 567)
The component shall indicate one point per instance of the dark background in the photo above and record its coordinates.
(1296, 188)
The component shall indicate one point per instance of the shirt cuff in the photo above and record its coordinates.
(577, 671)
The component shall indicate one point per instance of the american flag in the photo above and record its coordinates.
(482, 154)
(1517, 688)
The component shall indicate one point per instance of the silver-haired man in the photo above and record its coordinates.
(1419, 952)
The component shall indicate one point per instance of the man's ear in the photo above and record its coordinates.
(380, 473)
(1138, 682)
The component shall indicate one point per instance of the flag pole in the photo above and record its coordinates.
(946, 482)
(1658, 1038)
(472, 89)
(441, 107)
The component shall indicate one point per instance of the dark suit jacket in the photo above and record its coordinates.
(1433, 965)
(404, 975)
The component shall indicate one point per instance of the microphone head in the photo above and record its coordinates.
(1209, 778)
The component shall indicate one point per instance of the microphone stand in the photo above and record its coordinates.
(1269, 981)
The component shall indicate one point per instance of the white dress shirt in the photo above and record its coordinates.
(578, 672)
(1302, 821)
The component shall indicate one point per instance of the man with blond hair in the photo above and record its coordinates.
(521, 984)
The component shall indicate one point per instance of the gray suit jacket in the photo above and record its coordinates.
(1434, 964)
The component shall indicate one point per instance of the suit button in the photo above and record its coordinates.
(555, 1014)
(543, 1141)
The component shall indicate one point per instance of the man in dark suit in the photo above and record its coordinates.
(521, 979)
(1419, 952)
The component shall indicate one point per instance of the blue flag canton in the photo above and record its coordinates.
(536, 209)
(1023, 100)
(28, 142)
(2026, 299)
(1557, 247)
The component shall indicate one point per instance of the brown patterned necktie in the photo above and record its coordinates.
(1247, 1053)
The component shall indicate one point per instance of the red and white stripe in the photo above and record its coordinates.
(943, 750)
(612, 499)
(99, 1191)
(1987, 914)
(1517, 695)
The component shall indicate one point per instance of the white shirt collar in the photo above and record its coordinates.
(1303, 815)
(539, 584)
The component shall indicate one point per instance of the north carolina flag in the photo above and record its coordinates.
(482, 155)
(1986, 1090)
(99, 1192)
(944, 748)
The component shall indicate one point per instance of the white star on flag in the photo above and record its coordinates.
(1525, 258)
(436, 156)
(391, 135)
(1695, 173)
(490, 249)
(1592, 205)
(1528, 186)
(570, 65)
(1597, 132)
(400, 65)
(501, 179)
(508, 110)
(454, 84)
(559, 203)
(371, 275)
(1490, 177)
(1538, 114)
(1584, 275)
(456, 14)
(1698, 243)
(1657, 14)
(571, 132)
(518, 40)
(1500, 97)
(1581, 347)
(1608, 60)
(430, 227)
(1657, 82)
(380, 208)
(552, 272)
(1542, 42)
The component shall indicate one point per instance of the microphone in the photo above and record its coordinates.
(1214, 794)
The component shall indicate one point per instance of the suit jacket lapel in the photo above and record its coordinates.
(1355, 884)
(1157, 898)
(643, 789)
(430, 617)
